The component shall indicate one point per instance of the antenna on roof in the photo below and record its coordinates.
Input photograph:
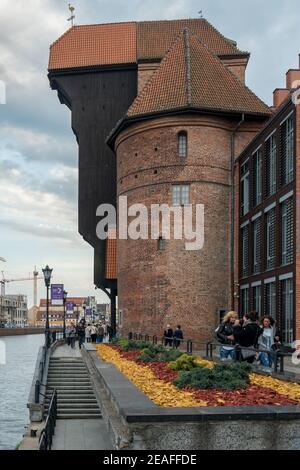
(200, 13)
(72, 17)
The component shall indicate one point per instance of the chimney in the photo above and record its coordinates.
(293, 76)
(279, 95)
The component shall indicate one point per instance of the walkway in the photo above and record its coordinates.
(81, 434)
(79, 425)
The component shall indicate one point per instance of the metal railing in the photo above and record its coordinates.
(46, 438)
(53, 336)
(278, 356)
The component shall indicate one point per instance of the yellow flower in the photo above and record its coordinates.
(291, 390)
(161, 393)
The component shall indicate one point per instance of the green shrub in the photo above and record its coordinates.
(223, 376)
(130, 345)
(158, 354)
(134, 345)
(122, 342)
(184, 362)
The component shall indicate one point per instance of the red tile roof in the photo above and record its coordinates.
(92, 45)
(73, 300)
(111, 255)
(122, 43)
(156, 37)
(190, 76)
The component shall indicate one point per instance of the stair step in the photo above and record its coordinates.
(67, 376)
(80, 410)
(69, 403)
(60, 387)
(52, 383)
(69, 394)
(78, 416)
(79, 407)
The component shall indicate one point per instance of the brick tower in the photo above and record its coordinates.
(175, 146)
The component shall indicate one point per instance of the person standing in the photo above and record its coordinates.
(246, 334)
(93, 333)
(100, 334)
(110, 333)
(81, 334)
(72, 335)
(178, 336)
(68, 330)
(224, 330)
(267, 342)
(88, 333)
(168, 336)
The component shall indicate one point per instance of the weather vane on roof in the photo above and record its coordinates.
(200, 13)
(72, 17)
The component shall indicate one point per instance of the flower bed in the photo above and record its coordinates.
(155, 379)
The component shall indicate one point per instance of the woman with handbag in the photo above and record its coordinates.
(246, 334)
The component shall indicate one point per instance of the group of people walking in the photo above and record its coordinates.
(259, 335)
(173, 337)
(91, 333)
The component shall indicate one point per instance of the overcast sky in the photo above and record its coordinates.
(38, 152)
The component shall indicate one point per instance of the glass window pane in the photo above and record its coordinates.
(182, 144)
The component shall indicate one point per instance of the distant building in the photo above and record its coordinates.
(103, 312)
(32, 312)
(13, 310)
(75, 310)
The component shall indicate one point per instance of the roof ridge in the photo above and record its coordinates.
(217, 58)
(187, 51)
(144, 90)
(62, 36)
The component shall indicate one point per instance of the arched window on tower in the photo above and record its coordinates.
(182, 144)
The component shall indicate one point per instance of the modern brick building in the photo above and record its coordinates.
(172, 98)
(268, 216)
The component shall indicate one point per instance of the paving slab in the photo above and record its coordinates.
(66, 351)
(82, 434)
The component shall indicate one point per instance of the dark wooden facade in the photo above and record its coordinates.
(279, 270)
(98, 98)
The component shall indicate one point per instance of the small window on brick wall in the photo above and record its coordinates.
(245, 251)
(271, 239)
(287, 149)
(287, 232)
(182, 144)
(161, 244)
(181, 194)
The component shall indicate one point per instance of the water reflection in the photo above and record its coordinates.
(15, 381)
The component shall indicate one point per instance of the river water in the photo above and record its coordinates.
(15, 382)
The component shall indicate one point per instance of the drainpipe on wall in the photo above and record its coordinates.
(233, 207)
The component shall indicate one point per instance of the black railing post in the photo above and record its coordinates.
(130, 336)
(189, 347)
(281, 363)
(37, 391)
(276, 361)
(210, 350)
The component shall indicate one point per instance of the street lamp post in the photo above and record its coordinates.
(65, 301)
(47, 277)
(84, 309)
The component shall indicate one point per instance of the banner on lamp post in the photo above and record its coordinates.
(57, 294)
(70, 307)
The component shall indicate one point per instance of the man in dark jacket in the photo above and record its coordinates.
(81, 334)
(246, 334)
(168, 335)
(178, 336)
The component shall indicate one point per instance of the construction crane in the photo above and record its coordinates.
(35, 278)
